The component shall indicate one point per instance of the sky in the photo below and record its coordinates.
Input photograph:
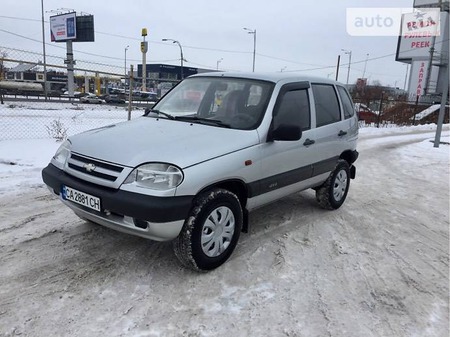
(292, 35)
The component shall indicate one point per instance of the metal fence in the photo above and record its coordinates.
(33, 119)
(27, 113)
(385, 112)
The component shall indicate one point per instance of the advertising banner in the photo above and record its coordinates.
(417, 32)
(63, 27)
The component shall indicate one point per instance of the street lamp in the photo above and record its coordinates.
(252, 31)
(218, 61)
(365, 66)
(406, 76)
(126, 48)
(349, 53)
(181, 52)
(43, 50)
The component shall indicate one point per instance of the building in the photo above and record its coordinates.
(161, 77)
(424, 46)
(32, 73)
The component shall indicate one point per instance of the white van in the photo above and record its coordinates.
(214, 148)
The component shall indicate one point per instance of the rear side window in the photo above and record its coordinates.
(349, 108)
(294, 109)
(326, 103)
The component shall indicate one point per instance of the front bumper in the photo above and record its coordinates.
(156, 218)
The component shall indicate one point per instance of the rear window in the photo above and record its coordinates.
(349, 108)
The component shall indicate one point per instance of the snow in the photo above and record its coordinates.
(21, 160)
(378, 266)
(428, 111)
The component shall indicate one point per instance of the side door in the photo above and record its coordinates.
(331, 127)
(286, 165)
(350, 118)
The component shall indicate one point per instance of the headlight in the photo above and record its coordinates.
(156, 176)
(61, 155)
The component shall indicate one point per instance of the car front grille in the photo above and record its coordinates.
(95, 169)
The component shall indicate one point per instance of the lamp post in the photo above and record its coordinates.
(349, 53)
(365, 65)
(406, 76)
(253, 31)
(218, 61)
(126, 48)
(43, 50)
(181, 52)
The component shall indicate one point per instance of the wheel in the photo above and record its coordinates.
(211, 231)
(332, 193)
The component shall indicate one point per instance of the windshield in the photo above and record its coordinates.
(224, 102)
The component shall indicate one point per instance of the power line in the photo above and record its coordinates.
(316, 66)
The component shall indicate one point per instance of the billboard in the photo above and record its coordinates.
(429, 3)
(63, 27)
(417, 32)
(418, 79)
(85, 28)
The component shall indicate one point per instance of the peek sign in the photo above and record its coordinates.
(417, 32)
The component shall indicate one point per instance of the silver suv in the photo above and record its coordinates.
(214, 148)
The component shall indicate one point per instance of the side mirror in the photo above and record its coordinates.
(285, 132)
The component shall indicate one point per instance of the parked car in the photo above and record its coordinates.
(75, 94)
(213, 149)
(114, 99)
(91, 98)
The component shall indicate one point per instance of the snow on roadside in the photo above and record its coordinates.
(21, 161)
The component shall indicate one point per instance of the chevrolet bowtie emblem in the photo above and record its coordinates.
(89, 167)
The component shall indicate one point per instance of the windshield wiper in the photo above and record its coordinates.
(203, 120)
(148, 111)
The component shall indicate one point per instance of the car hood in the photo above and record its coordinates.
(148, 139)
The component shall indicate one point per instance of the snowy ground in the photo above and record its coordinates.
(379, 266)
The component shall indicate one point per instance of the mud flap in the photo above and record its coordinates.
(352, 171)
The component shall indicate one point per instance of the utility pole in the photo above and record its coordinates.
(349, 53)
(365, 65)
(253, 31)
(337, 67)
(218, 61)
(406, 76)
(426, 89)
(70, 63)
(144, 49)
(381, 107)
(130, 93)
(437, 139)
(43, 51)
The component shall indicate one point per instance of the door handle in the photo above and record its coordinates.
(342, 133)
(309, 142)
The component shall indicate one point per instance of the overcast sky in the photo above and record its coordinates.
(292, 35)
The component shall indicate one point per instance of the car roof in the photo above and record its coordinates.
(271, 77)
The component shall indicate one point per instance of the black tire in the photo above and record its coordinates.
(332, 193)
(217, 246)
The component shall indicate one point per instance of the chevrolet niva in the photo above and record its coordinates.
(215, 147)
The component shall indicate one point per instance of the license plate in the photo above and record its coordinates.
(81, 198)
